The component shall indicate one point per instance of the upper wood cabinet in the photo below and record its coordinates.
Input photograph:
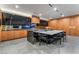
(35, 19)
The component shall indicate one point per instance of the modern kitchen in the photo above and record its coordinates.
(39, 28)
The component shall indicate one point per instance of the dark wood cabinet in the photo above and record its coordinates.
(43, 23)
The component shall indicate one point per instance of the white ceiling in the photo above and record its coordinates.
(47, 12)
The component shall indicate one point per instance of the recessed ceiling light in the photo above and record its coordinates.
(50, 17)
(40, 14)
(54, 8)
(62, 15)
(16, 6)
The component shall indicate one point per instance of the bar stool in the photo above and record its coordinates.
(43, 38)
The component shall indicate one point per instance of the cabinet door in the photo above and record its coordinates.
(19, 32)
(23, 33)
(4, 35)
(76, 23)
(73, 26)
(0, 35)
(60, 24)
(16, 34)
(7, 35)
(10, 35)
(53, 24)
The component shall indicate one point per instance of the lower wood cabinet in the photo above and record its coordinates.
(16, 34)
(12, 34)
(0, 35)
(4, 35)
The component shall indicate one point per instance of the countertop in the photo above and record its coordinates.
(13, 29)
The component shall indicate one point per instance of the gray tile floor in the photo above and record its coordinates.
(22, 46)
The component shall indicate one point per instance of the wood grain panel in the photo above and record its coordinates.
(12, 34)
(76, 24)
(60, 24)
(65, 25)
(4, 35)
(35, 20)
(0, 35)
(70, 25)
(53, 24)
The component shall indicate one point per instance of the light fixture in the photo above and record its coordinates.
(40, 14)
(16, 6)
(54, 8)
(62, 15)
(50, 5)
(50, 17)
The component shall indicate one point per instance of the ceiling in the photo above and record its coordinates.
(44, 9)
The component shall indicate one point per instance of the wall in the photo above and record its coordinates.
(69, 24)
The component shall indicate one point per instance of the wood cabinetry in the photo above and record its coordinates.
(4, 35)
(53, 24)
(69, 24)
(63, 24)
(35, 19)
(7, 19)
(23, 33)
(12, 34)
(0, 34)
(7, 35)
(16, 34)
(74, 26)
